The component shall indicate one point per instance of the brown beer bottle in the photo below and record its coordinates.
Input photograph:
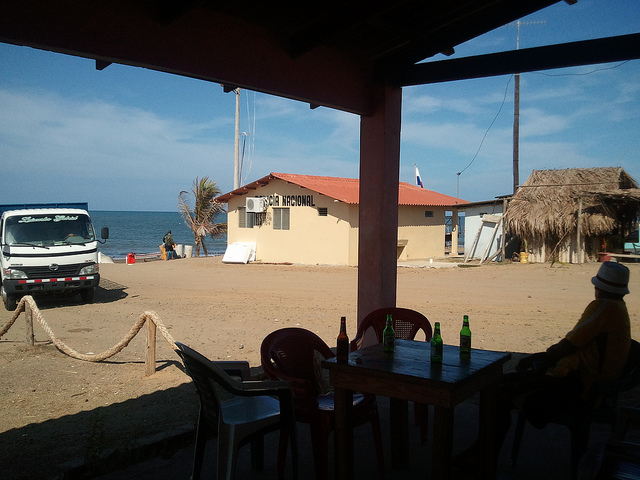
(342, 348)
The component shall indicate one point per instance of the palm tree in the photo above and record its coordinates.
(200, 219)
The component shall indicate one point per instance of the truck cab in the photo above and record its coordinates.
(48, 249)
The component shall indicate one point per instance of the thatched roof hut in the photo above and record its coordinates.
(555, 207)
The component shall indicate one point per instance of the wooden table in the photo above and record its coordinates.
(410, 376)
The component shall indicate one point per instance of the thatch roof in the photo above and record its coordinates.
(546, 206)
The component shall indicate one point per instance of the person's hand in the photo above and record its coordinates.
(536, 361)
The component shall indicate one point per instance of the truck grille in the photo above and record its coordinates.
(46, 272)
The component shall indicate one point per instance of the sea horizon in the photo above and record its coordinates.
(141, 232)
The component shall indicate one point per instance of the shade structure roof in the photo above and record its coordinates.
(324, 53)
(549, 203)
(346, 190)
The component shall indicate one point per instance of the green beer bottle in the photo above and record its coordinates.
(465, 338)
(436, 345)
(388, 337)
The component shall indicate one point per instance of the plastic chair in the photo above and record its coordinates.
(288, 354)
(600, 408)
(406, 323)
(239, 412)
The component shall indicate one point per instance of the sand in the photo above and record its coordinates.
(57, 410)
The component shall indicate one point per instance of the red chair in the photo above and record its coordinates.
(292, 354)
(406, 323)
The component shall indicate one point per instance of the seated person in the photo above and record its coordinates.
(559, 379)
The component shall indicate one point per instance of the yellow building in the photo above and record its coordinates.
(314, 220)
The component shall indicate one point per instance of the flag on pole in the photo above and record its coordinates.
(418, 179)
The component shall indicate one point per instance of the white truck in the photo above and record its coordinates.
(48, 249)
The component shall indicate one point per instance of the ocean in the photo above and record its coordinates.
(142, 232)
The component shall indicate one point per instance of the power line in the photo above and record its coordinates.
(595, 70)
(492, 122)
(506, 89)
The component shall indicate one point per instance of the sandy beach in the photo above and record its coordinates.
(57, 410)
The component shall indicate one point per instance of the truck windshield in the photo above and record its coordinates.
(48, 229)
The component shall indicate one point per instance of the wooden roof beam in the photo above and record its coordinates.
(586, 52)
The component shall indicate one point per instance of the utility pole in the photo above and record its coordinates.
(516, 124)
(236, 144)
(516, 115)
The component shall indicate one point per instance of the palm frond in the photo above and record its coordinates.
(205, 208)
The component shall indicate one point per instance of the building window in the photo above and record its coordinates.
(322, 211)
(428, 213)
(281, 218)
(250, 219)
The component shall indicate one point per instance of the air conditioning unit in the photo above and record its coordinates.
(256, 204)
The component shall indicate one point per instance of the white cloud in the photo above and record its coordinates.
(63, 145)
(535, 122)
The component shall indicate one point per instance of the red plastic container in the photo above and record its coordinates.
(131, 258)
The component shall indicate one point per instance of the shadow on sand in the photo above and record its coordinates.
(107, 438)
(151, 438)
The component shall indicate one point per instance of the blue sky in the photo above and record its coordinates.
(128, 138)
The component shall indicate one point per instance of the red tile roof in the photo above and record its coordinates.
(347, 190)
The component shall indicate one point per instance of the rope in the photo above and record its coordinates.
(148, 315)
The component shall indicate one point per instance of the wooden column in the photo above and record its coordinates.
(378, 217)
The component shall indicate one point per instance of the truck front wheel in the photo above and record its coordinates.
(10, 301)
(87, 294)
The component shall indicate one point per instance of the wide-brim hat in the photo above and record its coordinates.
(613, 278)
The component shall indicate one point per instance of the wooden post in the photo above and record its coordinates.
(503, 248)
(28, 316)
(150, 358)
(579, 233)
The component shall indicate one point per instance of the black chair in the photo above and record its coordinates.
(600, 408)
(238, 412)
(621, 459)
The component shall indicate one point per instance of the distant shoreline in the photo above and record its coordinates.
(149, 257)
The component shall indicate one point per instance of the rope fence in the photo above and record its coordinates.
(30, 308)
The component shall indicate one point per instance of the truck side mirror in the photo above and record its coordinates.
(104, 233)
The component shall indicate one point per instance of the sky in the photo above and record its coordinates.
(127, 138)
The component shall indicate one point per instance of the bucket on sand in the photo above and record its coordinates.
(188, 251)
(178, 250)
(524, 257)
(604, 257)
(131, 258)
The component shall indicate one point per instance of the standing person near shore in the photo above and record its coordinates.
(169, 245)
(559, 379)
